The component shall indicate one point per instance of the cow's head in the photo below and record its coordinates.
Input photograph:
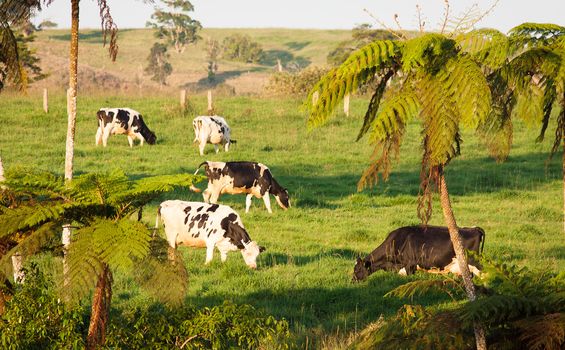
(151, 138)
(283, 199)
(361, 270)
(250, 252)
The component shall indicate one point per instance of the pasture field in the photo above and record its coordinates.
(305, 274)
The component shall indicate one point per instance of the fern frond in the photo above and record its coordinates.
(543, 332)
(536, 34)
(426, 50)
(441, 121)
(355, 71)
(489, 47)
(29, 217)
(394, 114)
(163, 267)
(411, 289)
(374, 103)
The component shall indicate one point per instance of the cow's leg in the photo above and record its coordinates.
(206, 195)
(216, 147)
(130, 140)
(105, 136)
(201, 147)
(226, 146)
(209, 252)
(223, 255)
(267, 200)
(214, 197)
(141, 139)
(248, 202)
(98, 136)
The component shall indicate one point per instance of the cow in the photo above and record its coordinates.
(254, 179)
(214, 130)
(198, 224)
(408, 248)
(124, 121)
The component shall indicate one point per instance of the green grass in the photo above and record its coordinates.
(304, 276)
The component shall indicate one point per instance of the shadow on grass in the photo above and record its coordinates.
(464, 177)
(274, 259)
(94, 37)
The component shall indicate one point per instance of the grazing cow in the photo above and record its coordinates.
(197, 224)
(124, 121)
(407, 248)
(252, 178)
(214, 130)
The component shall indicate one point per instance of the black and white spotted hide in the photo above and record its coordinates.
(214, 130)
(125, 121)
(197, 224)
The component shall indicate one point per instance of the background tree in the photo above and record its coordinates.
(101, 207)
(176, 27)
(158, 65)
(47, 24)
(427, 78)
(238, 47)
(361, 35)
(213, 50)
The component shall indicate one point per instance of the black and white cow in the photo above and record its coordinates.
(124, 121)
(252, 178)
(197, 224)
(214, 130)
(411, 247)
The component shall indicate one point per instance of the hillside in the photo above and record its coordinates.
(303, 46)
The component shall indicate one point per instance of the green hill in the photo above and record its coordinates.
(305, 47)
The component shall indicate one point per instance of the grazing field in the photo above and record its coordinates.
(305, 274)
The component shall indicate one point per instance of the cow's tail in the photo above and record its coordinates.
(158, 218)
(483, 239)
(192, 187)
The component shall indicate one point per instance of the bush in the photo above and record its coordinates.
(300, 83)
(240, 48)
(35, 318)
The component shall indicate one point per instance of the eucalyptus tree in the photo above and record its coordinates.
(429, 79)
(103, 208)
(176, 27)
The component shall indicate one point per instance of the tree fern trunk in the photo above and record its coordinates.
(100, 309)
(461, 256)
(563, 167)
(72, 94)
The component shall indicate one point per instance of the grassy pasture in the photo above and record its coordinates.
(304, 276)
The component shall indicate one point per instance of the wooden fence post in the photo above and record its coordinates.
(17, 263)
(346, 104)
(183, 99)
(2, 178)
(45, 100)
(66, 240)
(315, 97)
(210, 108)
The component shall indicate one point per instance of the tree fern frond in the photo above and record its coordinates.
(531, 105)
(9, 56)
(381, 162)
(467, 86)
(535, 34)
(394, 114)
(490, 47)
(355, 71)
(374, 104)
(423, 51)
(441, 121)
(421, 287)
(164, 267)
(35, 183)
(543, 332)
(29, 217)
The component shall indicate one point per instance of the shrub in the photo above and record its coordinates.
(35, 318)
(240, 48)
(299, 84)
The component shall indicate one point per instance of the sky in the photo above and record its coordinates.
(317, 14)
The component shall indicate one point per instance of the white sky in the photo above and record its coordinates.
(322, 14)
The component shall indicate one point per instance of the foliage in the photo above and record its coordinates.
(241, 48)
(158, 65)
(212, 53)
(47, 24)
(426, 77)
(361, 35)
(521, 309)
(28, 57)
(294, 84)
(225, 326)
(176, 27)
(35, 318)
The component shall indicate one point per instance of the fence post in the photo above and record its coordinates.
(17, 263)
(183, 99)
(66, 240)
(315, 97)
(2, 178)
(210, 108)
(346, 105)
(45, 100)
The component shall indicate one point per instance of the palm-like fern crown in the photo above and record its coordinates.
(428, 77)
(99, 205)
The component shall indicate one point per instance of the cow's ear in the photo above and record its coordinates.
(262, 249)
(367, 264)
